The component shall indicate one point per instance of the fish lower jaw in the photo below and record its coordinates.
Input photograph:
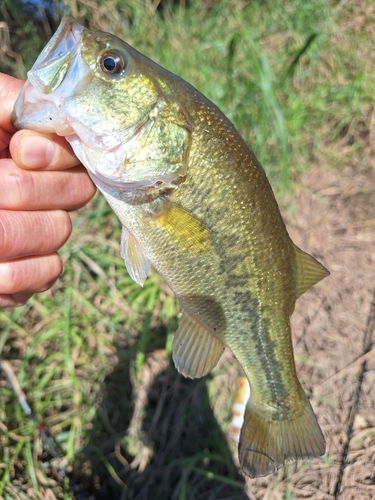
(46, 119)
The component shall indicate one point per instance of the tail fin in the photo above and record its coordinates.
(265, 443)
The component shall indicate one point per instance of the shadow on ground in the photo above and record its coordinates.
(158, 441)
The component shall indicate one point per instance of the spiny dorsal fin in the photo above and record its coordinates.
(136, 262)
(195, 350)
(309, 271)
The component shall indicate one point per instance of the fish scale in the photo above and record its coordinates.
(195, 203)
(243, 301)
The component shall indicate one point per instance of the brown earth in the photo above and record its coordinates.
(175, 432)
(333, 332)
(334, 338)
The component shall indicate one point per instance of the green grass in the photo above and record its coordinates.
(92, 355)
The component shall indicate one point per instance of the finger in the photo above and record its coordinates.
(32, 233)
(43, 190)
(9, 89)
(29, 275)
(33, 150)
(5, 138)
(17, 299)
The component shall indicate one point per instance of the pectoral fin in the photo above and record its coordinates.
(195, 350)
(309, 271)
(186, 231)
(136, 262)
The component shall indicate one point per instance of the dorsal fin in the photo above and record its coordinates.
(308, 271)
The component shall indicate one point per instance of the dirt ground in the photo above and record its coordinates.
(333, 325)
(333, 331)
(175, 429)
(176, 424)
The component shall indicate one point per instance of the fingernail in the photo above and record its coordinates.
(36, 152)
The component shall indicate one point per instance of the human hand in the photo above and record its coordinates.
(40, 180)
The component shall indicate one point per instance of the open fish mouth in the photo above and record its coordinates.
(48, 71)
(60, 96)
(39, 103)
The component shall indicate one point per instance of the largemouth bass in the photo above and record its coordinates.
(195, 203)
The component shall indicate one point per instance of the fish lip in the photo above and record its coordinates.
(47, 81)
(63, 46)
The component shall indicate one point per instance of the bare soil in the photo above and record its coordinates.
(334, 330)
(333, 218)
(334, 338)
(165, 437)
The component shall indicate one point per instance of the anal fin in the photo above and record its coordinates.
(136, 262)
(196, 350)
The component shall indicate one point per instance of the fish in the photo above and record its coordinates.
(194, 203)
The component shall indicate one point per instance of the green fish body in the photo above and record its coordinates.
(195, 203)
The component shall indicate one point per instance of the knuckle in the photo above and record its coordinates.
(12, 277)
(7, 237)
(54, 270)
(25, 234)
(3, 237)
(18, 189)
(27, 276)
(58, 226)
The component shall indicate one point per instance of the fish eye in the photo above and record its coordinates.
(112, 63)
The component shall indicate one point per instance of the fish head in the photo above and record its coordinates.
(117, 109)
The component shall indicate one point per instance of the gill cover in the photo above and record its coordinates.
(106, 99)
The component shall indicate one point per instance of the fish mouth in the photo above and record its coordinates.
(52, 65)
(47, 104)
(37, 107)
